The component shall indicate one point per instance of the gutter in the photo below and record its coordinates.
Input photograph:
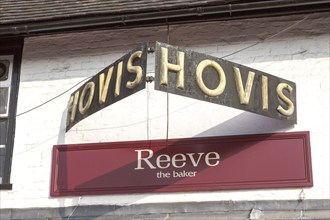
(176, 16)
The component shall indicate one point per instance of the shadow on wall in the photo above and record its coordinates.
(247, 123)
(61, 132)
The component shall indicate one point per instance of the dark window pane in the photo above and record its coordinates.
(3, 132)
(4, 67)
(4, 101)
(2, 165)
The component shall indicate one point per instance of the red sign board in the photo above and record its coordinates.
(195, 164)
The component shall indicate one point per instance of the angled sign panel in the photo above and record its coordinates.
(123, 78)
(207, 78)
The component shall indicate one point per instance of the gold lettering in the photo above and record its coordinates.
(89, 86)
(264, 92)
(243, 94)
(199, 72)
(178, 69)
(104, 86)
(118, 80)
(72, 108)
(134, 69)
(281, 96)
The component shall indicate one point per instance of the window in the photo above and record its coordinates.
(10, 61)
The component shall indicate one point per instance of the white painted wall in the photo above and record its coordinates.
(296, 48)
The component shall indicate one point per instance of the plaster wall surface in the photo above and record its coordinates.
(295, 48)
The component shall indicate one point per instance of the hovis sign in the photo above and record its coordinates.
(117, 81)
(219, 81)
(188, 74)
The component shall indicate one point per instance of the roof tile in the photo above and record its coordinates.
(13, 11)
